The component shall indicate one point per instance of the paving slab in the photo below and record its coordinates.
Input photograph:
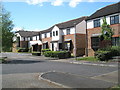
(28, 80)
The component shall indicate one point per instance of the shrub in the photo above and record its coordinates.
(57, 54)
(103, 55)
(107, 53)
(44, 50)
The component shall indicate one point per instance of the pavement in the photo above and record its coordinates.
(25, 80)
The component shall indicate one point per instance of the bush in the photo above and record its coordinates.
(58, 54)
(44, 50)
(107, 53)
(23, 50)
(103, 55)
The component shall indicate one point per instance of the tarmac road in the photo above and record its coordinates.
(27, 65)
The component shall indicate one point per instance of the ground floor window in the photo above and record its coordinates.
(45, 45)
(95, 42)
(116, 41)
(35, 47)
(68, 45)
(60, 46)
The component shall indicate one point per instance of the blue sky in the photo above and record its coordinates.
(40, 16)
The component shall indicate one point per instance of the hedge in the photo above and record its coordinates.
(58, 54)
(107, 53)
(44, 50)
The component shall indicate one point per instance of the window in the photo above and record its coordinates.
(60, 45)
(24, 38)
(53, 33)
(68, 31)
(114, 19)
(50, 34)
(39, 37)
(116, 41)
(95, 42)
(97, 23)
(45, 46)
(45, 35)
(56, 33)
(30, 38)
(36, 37)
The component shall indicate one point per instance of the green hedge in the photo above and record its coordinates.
(107, 53)
(58, 54)
(44, 50)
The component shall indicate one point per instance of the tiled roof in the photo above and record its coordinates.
(71, 23)
(66, 24)
(27, 33)
(47, 30)
(110, 9)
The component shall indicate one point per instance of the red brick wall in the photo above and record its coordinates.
(91, 52)
(80, 43)
(70, 36)
(49, 39)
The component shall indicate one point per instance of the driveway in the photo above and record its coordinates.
(25, 68)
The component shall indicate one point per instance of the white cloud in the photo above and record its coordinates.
(74, 3)
(57, 3)
(35, 2)
(91, 0)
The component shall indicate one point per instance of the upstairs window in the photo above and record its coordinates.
(68, 31)
(56, 33)
(45, 35)
(24, 38)
(53, 33)
(39, 37)
(50, 34)
(97, 23)
(30, 38)
(36, 37)
(114, 19)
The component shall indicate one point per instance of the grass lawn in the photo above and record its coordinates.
(88, 59)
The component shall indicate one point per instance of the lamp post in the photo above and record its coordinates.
(75, 49)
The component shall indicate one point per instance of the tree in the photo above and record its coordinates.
(106, 37)
(107, 31)
(6, 26)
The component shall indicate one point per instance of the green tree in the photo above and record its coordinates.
(6, 28)
(107, 31)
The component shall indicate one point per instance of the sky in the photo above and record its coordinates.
(36, 15)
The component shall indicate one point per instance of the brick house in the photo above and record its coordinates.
(27, 39)
(69, 35)
(94, 22)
